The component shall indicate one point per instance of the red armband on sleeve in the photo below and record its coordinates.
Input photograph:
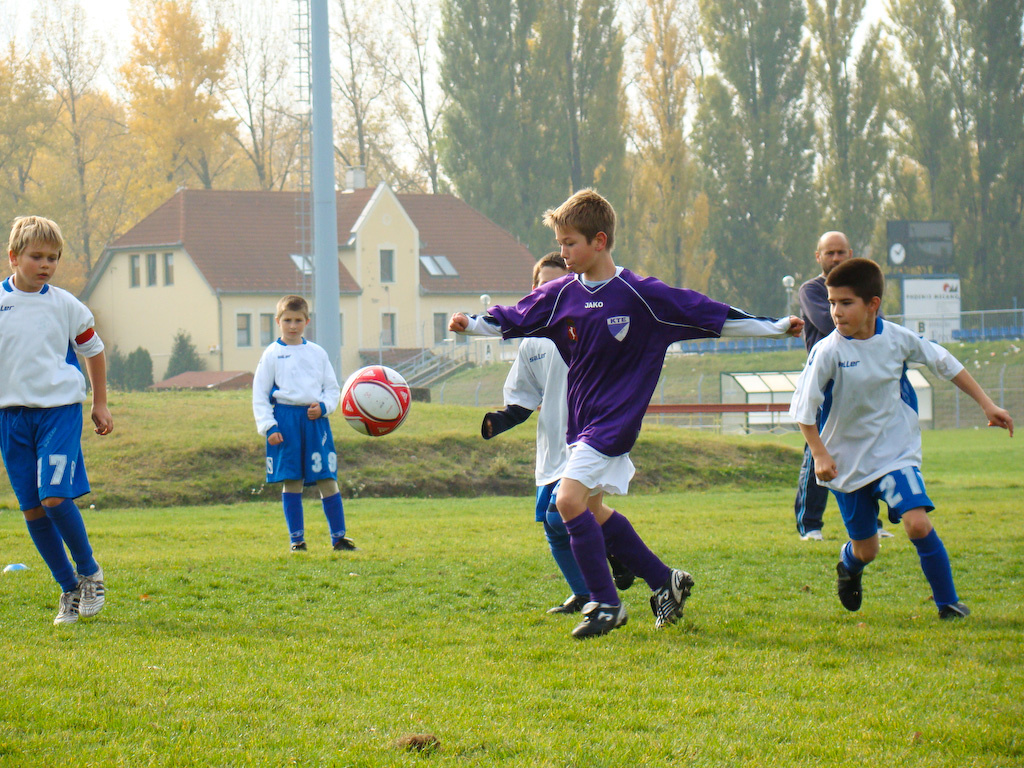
(85, 336)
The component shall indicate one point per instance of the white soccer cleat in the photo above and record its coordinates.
(68, 611)
(93, 594)
(811, 536)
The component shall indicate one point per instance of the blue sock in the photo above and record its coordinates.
(292, 503)
(68, 519)
(624, 542)
(587, 544)
(51, 547)
(853, 564)
(935, 564)
(334, 511)
(558, 540)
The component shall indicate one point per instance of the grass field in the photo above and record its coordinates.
(220, 648)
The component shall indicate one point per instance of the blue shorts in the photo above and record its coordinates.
(307, 453)
(42, 451)
(545, 499)
(901, 490)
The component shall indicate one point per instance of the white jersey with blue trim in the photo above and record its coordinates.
(292, 374)
(41, 334)
(538, 379)
(869, 419)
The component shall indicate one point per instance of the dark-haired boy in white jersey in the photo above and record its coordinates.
(869, 446)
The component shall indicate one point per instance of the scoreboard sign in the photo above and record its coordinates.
(920, 244)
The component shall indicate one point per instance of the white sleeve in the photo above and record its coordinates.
(810, 386)
(331, 394)
(521, 385)
(262, 383)
(939, 360)
(91, 347)
(482, 325)
(765, 327)
(82, 321)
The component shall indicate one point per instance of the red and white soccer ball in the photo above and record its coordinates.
(375, 400)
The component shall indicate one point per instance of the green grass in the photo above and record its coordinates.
(218, 647)
(190, 448)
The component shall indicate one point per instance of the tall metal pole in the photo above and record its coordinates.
(325, 214)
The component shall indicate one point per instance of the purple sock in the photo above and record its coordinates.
(587, 544)
(624, 542)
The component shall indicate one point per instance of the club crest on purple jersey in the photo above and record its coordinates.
(618, 326)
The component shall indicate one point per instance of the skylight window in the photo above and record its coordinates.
(438, 266)
(302, 263)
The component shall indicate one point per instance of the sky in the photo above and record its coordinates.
(112, 15)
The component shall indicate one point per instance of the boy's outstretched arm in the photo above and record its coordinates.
(496, 422)
(824, 464)
(740, 323)
(96, 367)
(997, 417)
(475, 325)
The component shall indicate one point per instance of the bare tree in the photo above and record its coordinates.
(257, 91)
(419, 104)
(363, 120)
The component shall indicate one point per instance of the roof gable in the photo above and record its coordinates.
(241, 241)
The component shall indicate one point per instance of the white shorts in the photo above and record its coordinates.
(599, 473)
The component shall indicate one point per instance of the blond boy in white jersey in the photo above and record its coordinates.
(43, 329)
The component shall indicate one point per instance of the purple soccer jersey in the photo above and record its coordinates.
(614, 338)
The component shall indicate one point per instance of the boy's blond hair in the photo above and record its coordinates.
(553, 259)
(586, 212)
(34, 229)
(292, 304)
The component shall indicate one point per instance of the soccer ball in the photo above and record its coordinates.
(375, 400)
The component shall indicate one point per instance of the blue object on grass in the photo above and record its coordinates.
(15, 567)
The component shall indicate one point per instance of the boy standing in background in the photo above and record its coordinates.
(293, 392)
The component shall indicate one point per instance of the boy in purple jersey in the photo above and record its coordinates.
(612, 327)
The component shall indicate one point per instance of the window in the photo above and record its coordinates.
(168, 269)
(438, 266)
(267, 334)
(134, 274)
(387, 266)
(387, 329)
(150, 269)
(440, 327)
(304, 264)
(243, 332)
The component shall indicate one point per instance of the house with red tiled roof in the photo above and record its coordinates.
(213, 263)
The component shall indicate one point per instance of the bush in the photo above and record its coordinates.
(184, 356)
(116, 369)
(138, 370)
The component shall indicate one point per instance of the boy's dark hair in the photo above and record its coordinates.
(292, 304)
(553, 259)
(586, 212)
(862, 276)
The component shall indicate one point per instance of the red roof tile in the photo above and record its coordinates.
(241, 240)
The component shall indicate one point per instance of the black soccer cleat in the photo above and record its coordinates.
(600, 619)
(345, 544)
(668, 600)
(572, 604)
(621, 575)
(954, 611)
(848, 587)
